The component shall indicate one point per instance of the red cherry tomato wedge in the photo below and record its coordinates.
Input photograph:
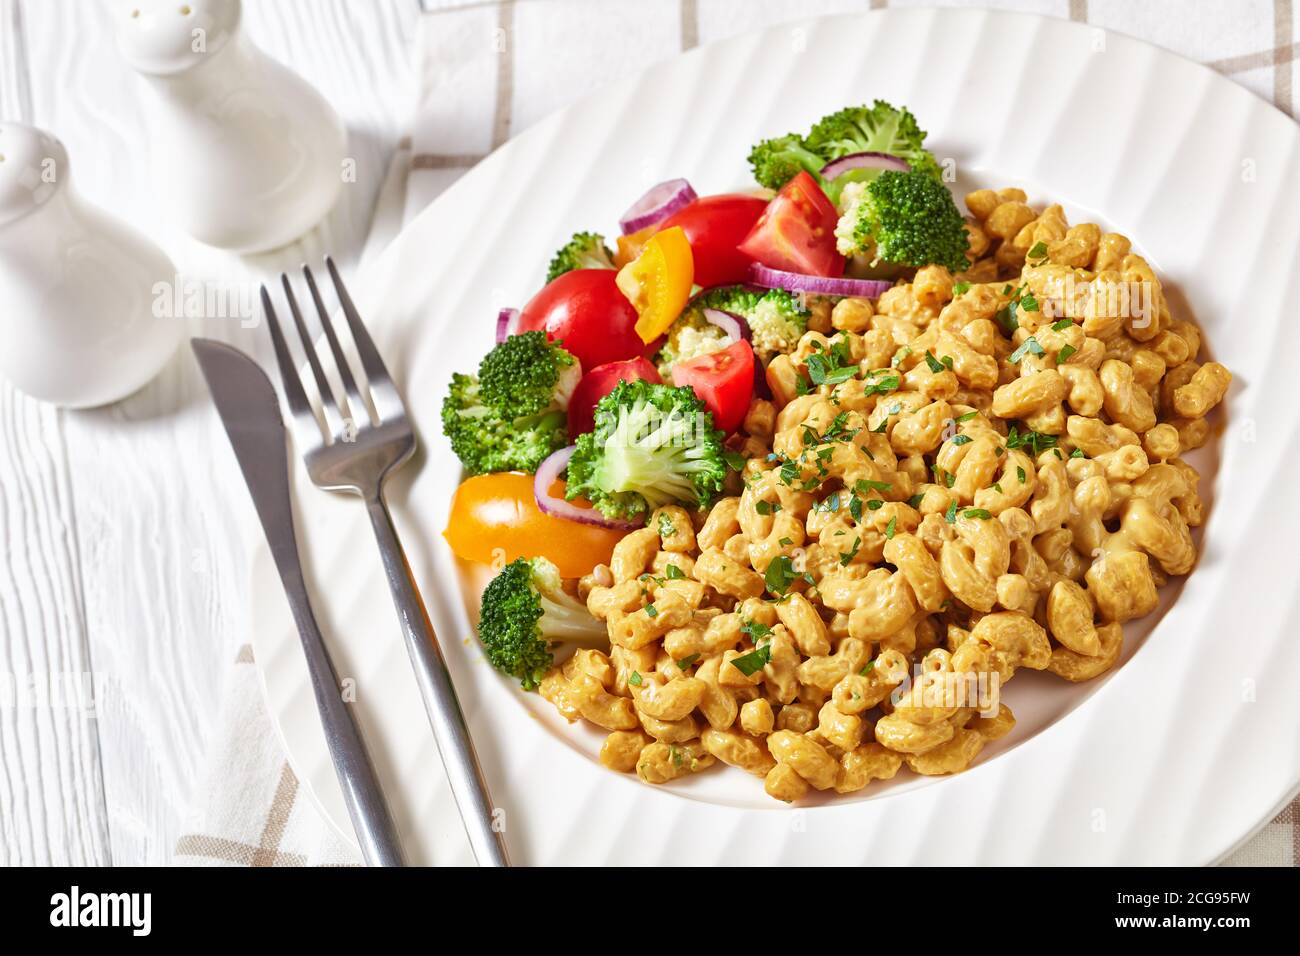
(598, 383)
(797, 232)
(723, 380)
(585, 310)
(715, 226)
(495, 519)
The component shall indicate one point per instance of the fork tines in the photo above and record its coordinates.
(351, 412)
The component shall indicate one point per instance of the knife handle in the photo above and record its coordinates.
(468, 785)
(376, 833)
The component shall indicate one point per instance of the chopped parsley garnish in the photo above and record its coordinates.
(847, 556)
(686, 662)
(651, 610)
(751, 663)
(863, 485)
(935, 365)
(965, 418)
(950, 515)
(634, 679)
(962, 439)
(674, 573)
(666, 527)
(879, 386)
(891, 527)
(1036, 441)
(1006, 316)
(789, 473)
(780, 575)
(916, 499)
(734, 459)
(1020, 473)
(830, 503)
(832, 366)
(1038, 251)
(981, 513)
(1029, 345)
(1066, 351)
(1060, 325)
(1078, 453)
(960, 288)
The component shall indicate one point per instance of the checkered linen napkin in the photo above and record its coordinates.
(490, 69)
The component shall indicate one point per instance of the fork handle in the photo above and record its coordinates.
(440, 703)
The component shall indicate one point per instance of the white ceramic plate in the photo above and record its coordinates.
(1174, 758)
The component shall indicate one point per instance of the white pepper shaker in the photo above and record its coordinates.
(246, 154)
(78, 287)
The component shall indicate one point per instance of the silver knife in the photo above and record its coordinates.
(250, 411)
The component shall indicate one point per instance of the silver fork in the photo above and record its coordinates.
(357, 454)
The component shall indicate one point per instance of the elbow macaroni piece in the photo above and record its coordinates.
(998, 485)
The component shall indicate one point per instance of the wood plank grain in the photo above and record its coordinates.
(51, 798)
(163, 524)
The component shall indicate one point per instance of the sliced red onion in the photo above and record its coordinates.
(838, 167)
(761, 275)
(657, 205)
(506, 322)
(547, 472)
(734, 326)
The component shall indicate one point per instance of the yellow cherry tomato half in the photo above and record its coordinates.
(495, 518)
(630, 246)
(658, 281)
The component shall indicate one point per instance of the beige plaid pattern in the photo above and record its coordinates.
(494, 68)
(253, 812)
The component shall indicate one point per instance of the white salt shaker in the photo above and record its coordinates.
(246, 154)
(77, 286)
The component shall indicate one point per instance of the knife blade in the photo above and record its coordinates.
(250, 412)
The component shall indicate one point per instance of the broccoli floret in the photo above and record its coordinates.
(512, 414)
(776, 319)
(776, 323)
(524, 611)
(690, 336)
(526, 374)
(879, 128)
(586, 250)
(736, 299)
(776, 161)
(904, 219)
(486, 441)
(652, 445)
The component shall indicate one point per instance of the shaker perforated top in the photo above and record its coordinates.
(33, 164)
(170, 36)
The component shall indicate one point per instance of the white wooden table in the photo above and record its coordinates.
(125, 530)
